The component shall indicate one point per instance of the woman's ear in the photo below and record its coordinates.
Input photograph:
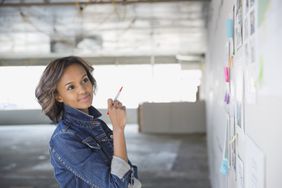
(59, 98)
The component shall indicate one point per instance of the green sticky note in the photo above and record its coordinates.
(263, 7)
(260, 72)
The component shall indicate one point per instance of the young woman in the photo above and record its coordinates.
(84, 151)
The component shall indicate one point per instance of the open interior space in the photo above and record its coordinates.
(164, 160)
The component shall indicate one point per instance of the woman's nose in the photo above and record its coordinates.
(81, 89)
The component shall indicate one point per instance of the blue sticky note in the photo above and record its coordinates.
(224, 167)
(229, 28)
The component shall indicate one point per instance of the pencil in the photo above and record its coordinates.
(116, 97)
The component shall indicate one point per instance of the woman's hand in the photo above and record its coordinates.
(117, 114)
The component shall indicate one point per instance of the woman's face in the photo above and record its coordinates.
(75, 88)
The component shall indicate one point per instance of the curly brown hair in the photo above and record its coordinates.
(46, 91)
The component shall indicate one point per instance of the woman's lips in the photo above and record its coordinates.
(85, 98)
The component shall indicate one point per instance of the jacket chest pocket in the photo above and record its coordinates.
(96, 147)
(91, 143)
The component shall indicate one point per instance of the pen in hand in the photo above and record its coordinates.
(116, 97)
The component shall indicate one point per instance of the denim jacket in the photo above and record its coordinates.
(81, 150)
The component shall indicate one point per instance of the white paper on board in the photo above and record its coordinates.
(255, 165)
(240, 173)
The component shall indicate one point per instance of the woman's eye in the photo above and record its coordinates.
(71, 87)
(85, 80)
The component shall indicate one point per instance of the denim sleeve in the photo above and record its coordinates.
(88, 164)
(135, 183)
(119, 167)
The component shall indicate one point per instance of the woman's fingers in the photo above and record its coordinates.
(123, 108)
(117, 104)
(110, 103)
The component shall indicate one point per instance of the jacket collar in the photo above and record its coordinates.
(77, 115)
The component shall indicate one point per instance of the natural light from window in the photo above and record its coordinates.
(141, 83)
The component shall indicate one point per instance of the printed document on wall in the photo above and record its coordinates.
(255, 164)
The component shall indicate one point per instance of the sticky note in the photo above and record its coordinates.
(224, 167)
(260, 74)
(230, 61)
(226, 98)
(227, 74)
(229, 28)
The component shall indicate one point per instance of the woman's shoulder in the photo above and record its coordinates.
(63, 130)
(65, 127)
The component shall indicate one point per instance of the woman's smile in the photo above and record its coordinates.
(85, 98)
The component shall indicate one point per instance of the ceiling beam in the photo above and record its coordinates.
(82, 3)
(101, 60)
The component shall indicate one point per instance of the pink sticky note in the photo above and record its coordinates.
(227, 74)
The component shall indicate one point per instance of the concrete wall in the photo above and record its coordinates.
(22, 117)
(262, 117)
(176, 117)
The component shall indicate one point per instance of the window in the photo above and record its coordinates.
(145, 83)
(18, 86)
(142, 83)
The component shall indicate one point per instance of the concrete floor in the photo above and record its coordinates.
(164, 161)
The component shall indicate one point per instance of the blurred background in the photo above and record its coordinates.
(201, 83)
